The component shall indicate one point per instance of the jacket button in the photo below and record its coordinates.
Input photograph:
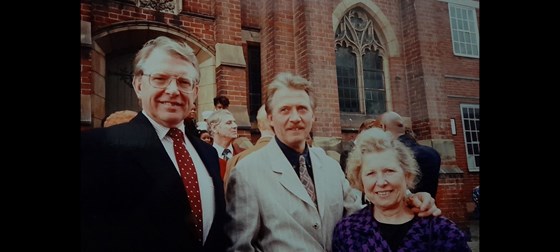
(316, 226)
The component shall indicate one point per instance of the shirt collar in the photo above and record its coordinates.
(291, 154)
(220, 149)
(160, 129)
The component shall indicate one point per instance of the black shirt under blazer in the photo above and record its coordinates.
(132, 197)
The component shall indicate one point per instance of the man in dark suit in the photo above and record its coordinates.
(429, 160)
(134, 192)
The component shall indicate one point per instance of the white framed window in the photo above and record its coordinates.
(470, 114)
(464, 30)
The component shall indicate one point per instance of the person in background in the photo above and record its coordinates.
(190, 122)
(427, 157)
(287, 196)
(205, 136)
(118, 117)
(138, 179)
(366, 124)
(223, 129)
(203, 125)
(476, 198)
(221, 102)
(266, 135)
(384, 169)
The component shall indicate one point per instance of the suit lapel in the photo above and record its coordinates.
(287, 177)
(205, 156)
(151, 154)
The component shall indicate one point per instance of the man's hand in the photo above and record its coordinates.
(423, 204)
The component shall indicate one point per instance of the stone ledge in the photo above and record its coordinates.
(450, 170)
(229, 55)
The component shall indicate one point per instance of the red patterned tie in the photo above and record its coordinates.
(188, 174)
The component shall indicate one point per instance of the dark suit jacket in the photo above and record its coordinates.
(132, 197)
(429, 162)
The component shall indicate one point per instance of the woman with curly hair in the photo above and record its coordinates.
(385, 169)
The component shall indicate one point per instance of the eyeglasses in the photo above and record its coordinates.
(162, 81)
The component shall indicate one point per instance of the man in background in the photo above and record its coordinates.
(266, 134)
(427, 157)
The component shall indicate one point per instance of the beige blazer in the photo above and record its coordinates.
(271, 210)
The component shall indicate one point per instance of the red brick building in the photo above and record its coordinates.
(418, 58)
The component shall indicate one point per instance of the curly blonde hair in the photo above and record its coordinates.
(374, 140)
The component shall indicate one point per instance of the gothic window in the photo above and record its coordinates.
(359, 65)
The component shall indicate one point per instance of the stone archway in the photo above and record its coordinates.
(116, 45)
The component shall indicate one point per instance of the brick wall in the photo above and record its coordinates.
(250, 13)
(451, 198)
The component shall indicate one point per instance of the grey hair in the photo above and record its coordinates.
(375, 140)
(181, 49)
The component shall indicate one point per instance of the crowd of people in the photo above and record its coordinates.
(155, 181)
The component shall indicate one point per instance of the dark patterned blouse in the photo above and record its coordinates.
(360, 232)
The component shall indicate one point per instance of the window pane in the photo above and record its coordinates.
(346, 77)
(471, 121)
(375, 104)
(373, 75)
(254, 69)
(471, 26)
